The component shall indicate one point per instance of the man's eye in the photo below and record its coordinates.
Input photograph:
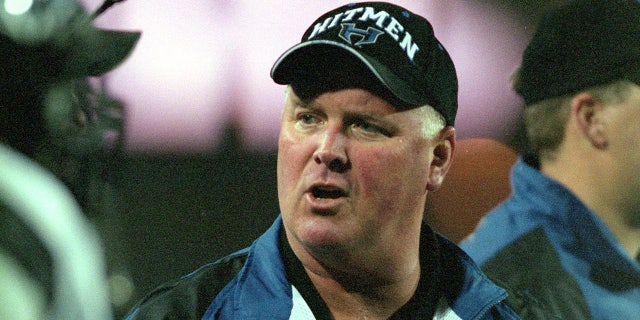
(307, 118)
(369, 128)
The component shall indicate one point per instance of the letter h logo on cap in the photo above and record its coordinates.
(368, 36)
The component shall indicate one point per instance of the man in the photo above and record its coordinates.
(566, 243)
(367, 131)
(51, 262)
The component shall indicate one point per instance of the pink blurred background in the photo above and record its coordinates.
(204, 64)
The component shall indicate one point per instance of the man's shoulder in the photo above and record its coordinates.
(530, 269)
(189, 296)
(509, 222)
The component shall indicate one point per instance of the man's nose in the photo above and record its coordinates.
(332, 151)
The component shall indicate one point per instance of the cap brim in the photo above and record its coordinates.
(292, 63)
(97, 52)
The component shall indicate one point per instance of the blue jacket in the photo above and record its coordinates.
(252, 284)
(556, 257)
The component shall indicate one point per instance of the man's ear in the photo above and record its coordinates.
(589, 115)
(442, 157)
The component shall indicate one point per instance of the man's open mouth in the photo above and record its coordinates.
(327, 193)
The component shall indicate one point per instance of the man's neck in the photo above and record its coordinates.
(627, 235)
(604, 202)
(362, 296)
(370, 294)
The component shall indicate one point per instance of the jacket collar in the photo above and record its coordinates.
(596, 243)
(263, 287)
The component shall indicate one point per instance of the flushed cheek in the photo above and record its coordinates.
(378, 174)
(286, 157)
(292, 159)
(384, 177)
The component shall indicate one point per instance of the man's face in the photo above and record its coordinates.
(352, 171)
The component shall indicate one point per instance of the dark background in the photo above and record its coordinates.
(174, 212)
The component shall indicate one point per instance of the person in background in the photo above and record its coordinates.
(52, 122)
(566, 243)
(366, 133)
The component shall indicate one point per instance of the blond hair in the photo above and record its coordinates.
(546, 120)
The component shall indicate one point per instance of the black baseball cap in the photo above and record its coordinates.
(579, 45)
(397, 47)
